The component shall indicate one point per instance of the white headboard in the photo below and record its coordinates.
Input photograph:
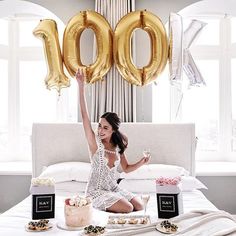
(169, 143)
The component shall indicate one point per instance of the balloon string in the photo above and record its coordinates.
(178, 108)
(142, 89)
(58, 95)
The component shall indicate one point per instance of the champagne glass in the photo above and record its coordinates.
(147, 152)
(145, 198)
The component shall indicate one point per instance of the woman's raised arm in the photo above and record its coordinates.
(89, 133)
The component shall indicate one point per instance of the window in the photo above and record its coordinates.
(4, 28)
(212, 107)
(24, 98)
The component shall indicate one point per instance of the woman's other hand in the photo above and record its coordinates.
(145, 160)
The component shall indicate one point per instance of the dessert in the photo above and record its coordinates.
(168, 226)
(111, 221)
(94, 230)
(174, 227)
(127, 221)
(38, 225)
(144, 220)
(78, 211)
(121, 221)
(133, 221)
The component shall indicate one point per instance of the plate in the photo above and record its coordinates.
(62, 225)
(84, 234)
(48, 227)
(126, 221)
(164, 230)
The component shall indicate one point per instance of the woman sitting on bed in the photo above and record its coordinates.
(107, 148)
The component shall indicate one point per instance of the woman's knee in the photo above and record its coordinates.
(137, 204)
(122, 206)
(129, 207)
(126, 207)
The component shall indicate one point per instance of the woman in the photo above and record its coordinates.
(107, 148)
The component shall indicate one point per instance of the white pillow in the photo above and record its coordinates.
(152, 171)
(70, 187)
(68, 171)
(139, 185)
(188, 183)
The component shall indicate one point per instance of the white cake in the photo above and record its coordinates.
(78, 212)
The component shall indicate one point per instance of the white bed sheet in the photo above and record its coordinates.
(13, 221)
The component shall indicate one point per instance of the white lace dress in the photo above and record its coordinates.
(102, 186)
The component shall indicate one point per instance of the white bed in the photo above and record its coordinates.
(169, 144)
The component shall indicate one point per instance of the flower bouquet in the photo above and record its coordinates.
(169, 197)
(43, 198)
(167, 184)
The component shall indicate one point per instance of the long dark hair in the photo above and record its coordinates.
(117, 138)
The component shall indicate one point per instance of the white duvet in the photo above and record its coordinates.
(194, 223)
(13, 221)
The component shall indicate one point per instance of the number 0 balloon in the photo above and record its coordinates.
(71, 45)
(122, 47)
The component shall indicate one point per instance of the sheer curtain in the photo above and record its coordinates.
(113, 93)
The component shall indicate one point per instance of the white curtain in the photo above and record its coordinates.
(113, 93)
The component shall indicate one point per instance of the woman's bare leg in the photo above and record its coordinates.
(137, 204)
(122, 206)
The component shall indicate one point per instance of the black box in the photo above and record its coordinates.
(43, 206)
(169, 201)
(167, 205)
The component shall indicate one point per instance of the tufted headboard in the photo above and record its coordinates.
(169, 143)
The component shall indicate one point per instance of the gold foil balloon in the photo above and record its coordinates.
(47, 31)
(71, 45)
(122, 47)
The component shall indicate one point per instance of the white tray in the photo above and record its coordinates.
(127, 218)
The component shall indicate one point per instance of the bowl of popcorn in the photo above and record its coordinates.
(78, 211)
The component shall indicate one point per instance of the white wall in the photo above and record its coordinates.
(221, 191)
(65, 9)
(13, 189)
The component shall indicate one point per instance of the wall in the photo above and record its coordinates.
(221, 191)
(13, 189)
(65, 9)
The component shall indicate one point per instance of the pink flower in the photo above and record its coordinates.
(168, 181)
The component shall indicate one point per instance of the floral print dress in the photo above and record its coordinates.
(102, 186)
